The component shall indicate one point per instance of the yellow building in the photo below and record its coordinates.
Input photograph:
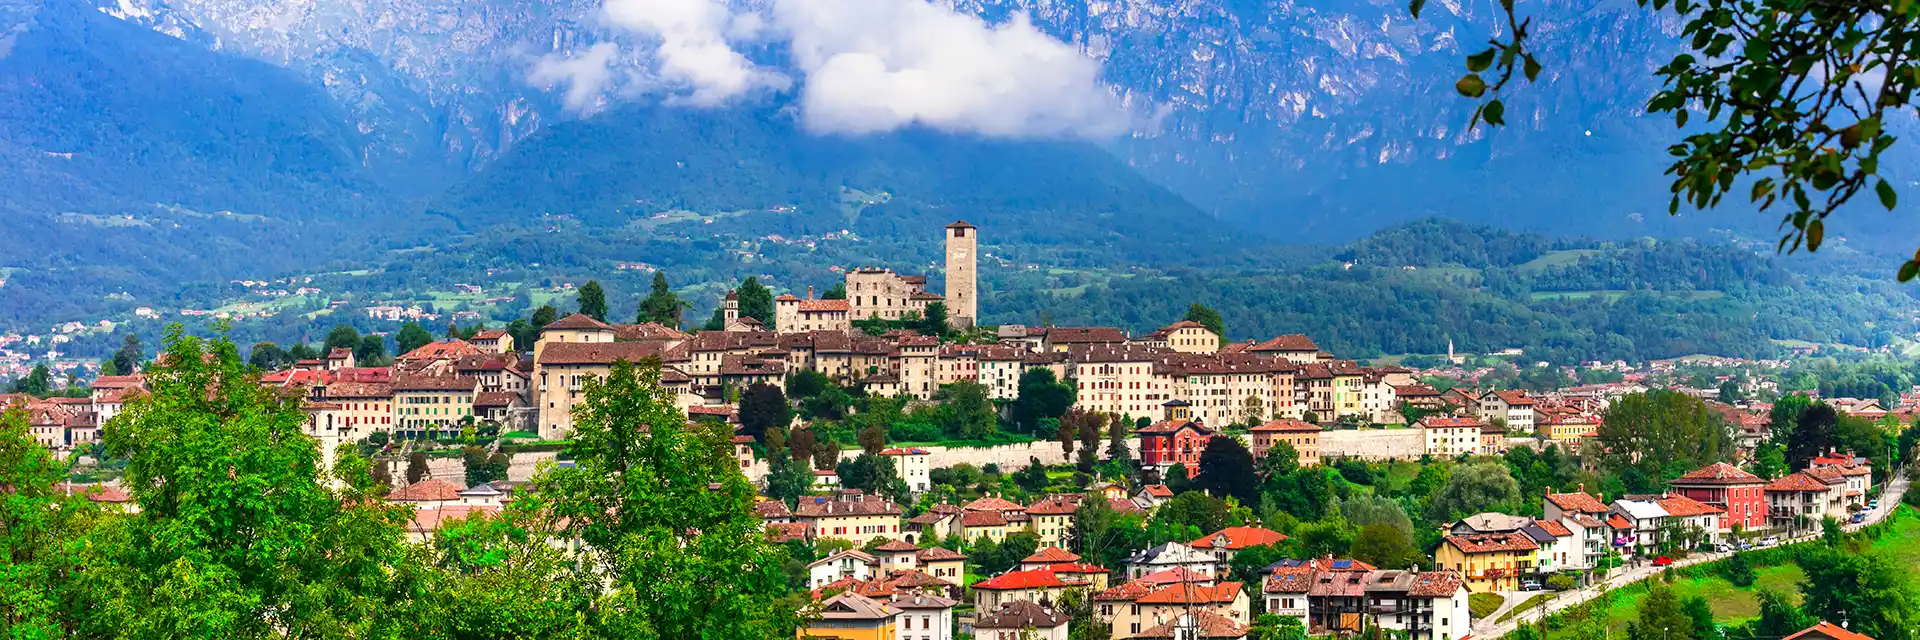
(1052, 520)
(1490, 562)
(431, 406)
(850, 616)
(849, 515)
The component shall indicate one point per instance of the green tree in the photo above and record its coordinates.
(1738, 571)
(1868, 594)
(543, 316)
(1384, 545)
(1226, 470)
(1779, 618)
(807, 383)
(593, 301)
(500, 576)
(756, 301)
(371, 352)
(1197, 510)
(416, 467)
(661, 305)
(39, 382)
(788, 478)
(1773, 104)
(965, 410)
(267, 356)
(127, 360)
(1041, 396)
(1271, 626)
(1660, 434)
(38, 525)
(1785, 415)
(483, 466)
(933, 321)
(1208, 318)
(1813, 434)
(412, 336)
(762, 407)
(238, 534)
(873, 474)
(524, 334)
(1032, 477)
(1662, 618)
(1478, 487)
(342, 337)
(666, 517)
(837, 292)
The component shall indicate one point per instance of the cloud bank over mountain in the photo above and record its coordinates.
(860, 66)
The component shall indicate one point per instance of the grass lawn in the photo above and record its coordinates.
(1733, 604)
(1528, 605)
(1484, 604)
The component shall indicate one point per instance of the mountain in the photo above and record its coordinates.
(637, 162)
(131, 161)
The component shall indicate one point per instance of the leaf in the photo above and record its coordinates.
(1415, 6)
(1887, 197)
(1532, 68)
(1908, 270)
(1761, 188)
(1480, 61)
(1471, 85)
(1495, 113)
(1816, 232)
(1680, 118)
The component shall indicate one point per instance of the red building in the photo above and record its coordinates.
(1722, 485)
(1175, 440)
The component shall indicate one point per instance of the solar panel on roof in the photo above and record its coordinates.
(1342, 564)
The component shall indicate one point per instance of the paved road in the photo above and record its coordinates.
(1487, 628)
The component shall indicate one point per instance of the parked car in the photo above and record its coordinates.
(1770, 541)
(1722, 548)
(1662, 561)
(1743, 545)
(1530, 585)
(1859, 517)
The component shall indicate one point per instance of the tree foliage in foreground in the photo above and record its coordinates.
(1795, 97)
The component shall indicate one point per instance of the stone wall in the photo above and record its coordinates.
(1010, 457)
(1372, 444)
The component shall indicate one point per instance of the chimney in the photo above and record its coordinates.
(809, 292)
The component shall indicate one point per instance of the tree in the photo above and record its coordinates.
(372, 350)
(1813, 434)
(933, 321)
(1738, 571)
(661, 305)
(667, 518)
(1364, 510)
(1474, 488)
(1208, 318)
(801, 443)
(416, 467)
(1785, 416)
(874, 474)
(1033, 477)
(127, 360)
(412, 336)
(483, 466)
(1194, 509)
(1868, 594)
(1779, 618)
(787, 478)
(237, 533)
(1384, 545)
(717, 321)
(543, 316)
(1226, 470)
(1331, 536)
(1661, 434)
(1700, 614)
(1661, 617)
(965, 410)
(524, 334)
(267, 356)
(756, 301)
(39, 382)
(807, 383)
(762, 407)
(593, 301)
(37, 521)
(342, 337)
(1773, 104)
(1730, 391)
(873, 438)
(1118, 436)
(1041, 396)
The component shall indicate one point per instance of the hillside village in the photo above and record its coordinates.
(887, 560)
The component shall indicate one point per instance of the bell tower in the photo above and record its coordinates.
(963, 245)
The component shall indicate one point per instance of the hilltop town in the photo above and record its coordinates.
(1237, 463)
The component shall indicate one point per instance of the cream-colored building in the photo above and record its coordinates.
(1303, 436)
(794, 315)
(1185, 336)
(573, 328)
(561, 369)
(431, 406)
(1449, 437)
(849, 515)
(874, 293)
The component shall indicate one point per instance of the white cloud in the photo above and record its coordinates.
(694, 53)
(588, 76)
(878, 65)
(867, 66)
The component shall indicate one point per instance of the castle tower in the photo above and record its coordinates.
(730, 307)
(963, 244)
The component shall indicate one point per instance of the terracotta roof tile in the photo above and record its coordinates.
(1719, 473)
(1492, 543)
(430, 490)
(1237, 538)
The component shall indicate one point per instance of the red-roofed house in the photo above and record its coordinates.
(1742, 495)
(912, 465)
(1027, 585)
(1302, 435)
(1167, 603)
(1173, 441)
(1448, 437)
(1223, 544)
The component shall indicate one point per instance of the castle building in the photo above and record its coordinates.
(963, 305)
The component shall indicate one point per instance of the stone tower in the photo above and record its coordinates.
(730, 307)
(963, 247)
